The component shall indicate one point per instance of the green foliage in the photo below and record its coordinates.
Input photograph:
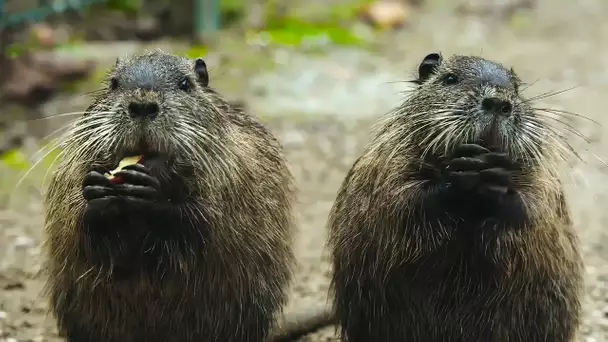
(294, 31)
(231, 11)
(16, 50)
(15, 160)
(21, 47)
(125, 6)
(19, 173)
(331, 23)
(196, 51)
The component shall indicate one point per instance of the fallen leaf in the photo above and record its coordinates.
(386, 14)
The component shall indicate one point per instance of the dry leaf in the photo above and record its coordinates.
(386, 14)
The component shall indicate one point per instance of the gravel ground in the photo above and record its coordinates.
(321, 107)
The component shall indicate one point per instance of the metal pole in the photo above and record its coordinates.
(4, 43)
(2, 14)
(206, 19)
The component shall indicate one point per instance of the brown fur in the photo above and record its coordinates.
(224, 275)
(409, 269)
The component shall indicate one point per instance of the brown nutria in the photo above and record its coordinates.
(452, 226)
(195, 242)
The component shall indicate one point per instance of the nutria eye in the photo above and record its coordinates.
(113, 84)
(450, 79)
(184, 85)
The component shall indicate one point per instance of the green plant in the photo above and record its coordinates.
(15, 160)
(331, 23)
(18, 173)
(231, 11)
(21, 47)
(295, 31)
(196, 51)
(125, 6)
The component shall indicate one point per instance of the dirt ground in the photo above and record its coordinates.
(560, 45)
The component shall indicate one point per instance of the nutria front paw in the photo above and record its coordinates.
(137, 186)
(474, 168)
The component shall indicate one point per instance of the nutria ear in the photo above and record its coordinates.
(200, 69)
(428, 66)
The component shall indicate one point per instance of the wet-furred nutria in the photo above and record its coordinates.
(452, 226)
(195, 242)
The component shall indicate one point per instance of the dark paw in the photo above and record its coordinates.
(96, 185)
(137, 185)
(475, 168)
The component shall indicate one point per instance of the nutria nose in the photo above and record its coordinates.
(497, 106)
(143, 110)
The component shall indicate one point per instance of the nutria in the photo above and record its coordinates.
(195, 242)
(452, 226)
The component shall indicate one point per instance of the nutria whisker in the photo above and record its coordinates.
(547, 95)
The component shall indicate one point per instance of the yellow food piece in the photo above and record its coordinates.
(124, 162)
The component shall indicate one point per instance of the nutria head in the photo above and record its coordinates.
(468, 99)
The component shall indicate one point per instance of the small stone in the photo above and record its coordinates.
(24, 241)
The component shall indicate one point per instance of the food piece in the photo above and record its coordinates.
(123, 163)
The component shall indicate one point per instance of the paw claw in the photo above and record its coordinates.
(469, 150)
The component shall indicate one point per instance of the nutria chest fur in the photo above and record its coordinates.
(195, 243)
(452, 226)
